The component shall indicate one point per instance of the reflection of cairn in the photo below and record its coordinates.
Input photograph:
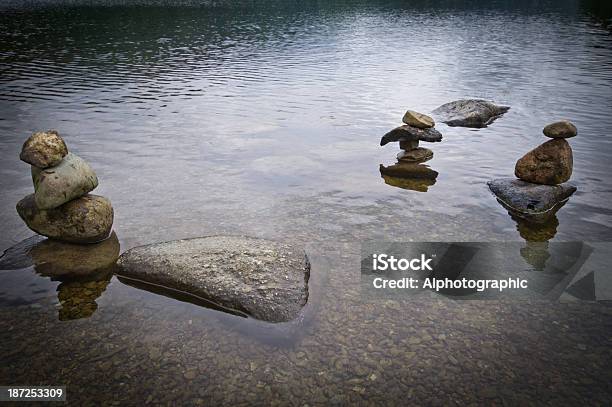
(61, 207)
(408, 172)
(78, 298)
(541, 189)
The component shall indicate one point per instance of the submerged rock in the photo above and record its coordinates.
(419, 154)
(59, 259)
(469, 113)
(549, 163)
(416, 119)
(44, 149)
(409, 133)
(55, 186)
(560, 129)
(534, 202)
(264, 279)
(83, 220)
(409, 170)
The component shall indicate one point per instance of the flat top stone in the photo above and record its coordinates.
(265, 279)
(44, 149)
(409, 133)
(416, 119)
(469, 113)
(528, 198)
(560, 129)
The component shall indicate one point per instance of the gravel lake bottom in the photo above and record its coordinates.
(264, 120)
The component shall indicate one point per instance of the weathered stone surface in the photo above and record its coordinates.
(560, 129)
(409, 170)
(416, 119)
(469, 113)
(408, 145)
(550, 163)
(409, 133)
(83, 220)
(530, 201)
(44, 149)
(59, 259)
(419, 154)
(264, 279)
(70, 179)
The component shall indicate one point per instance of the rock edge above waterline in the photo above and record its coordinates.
(535, 201)
(265, 279)
(474, 113)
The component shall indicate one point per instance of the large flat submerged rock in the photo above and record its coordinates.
(469, 113)
(531, 201)
(265, 279)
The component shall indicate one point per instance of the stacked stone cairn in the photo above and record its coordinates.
(408, 172)
(61, 207)
(417, 127)
(542, 187)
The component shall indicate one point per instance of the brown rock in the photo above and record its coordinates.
(418, 154)
(44, 149)
(560, 129)
(84, 220)
(416, 119)
(549, 163)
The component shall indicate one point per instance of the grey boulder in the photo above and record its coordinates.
(263, 279)
(411, 133)
(68, 180)
(530, 201)
(469, 113)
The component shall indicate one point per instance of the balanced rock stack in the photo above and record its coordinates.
(61, 207)
(417, 127)
(542, 187)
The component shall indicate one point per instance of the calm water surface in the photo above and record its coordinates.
(265, 120)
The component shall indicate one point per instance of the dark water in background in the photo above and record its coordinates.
(264, 118)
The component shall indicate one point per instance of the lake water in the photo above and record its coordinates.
(264, 119)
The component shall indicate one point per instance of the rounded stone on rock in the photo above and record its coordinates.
(550, 163)
(44, 149)
(87, 219)
(408, 145)
(560, 129)
(416, 119)
(55, 186)
(419, 154)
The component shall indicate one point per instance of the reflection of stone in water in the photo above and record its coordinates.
(542, 231)
(57, 259)
(409, 175)
(414, 184)
(78, 298)
(536, 254)
(536, 234)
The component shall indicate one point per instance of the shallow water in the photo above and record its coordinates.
(265, 121)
